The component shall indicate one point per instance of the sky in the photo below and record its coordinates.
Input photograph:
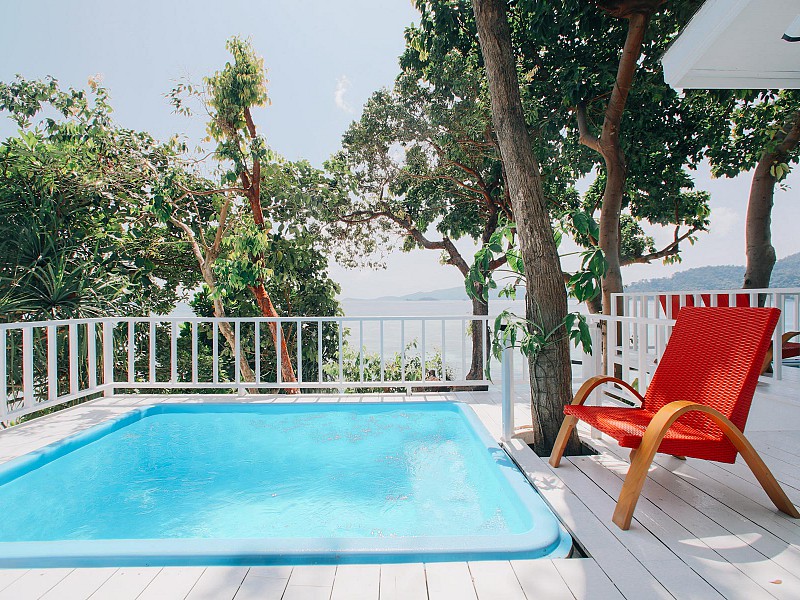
(324, 59)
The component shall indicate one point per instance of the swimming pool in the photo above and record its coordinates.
(181, 484)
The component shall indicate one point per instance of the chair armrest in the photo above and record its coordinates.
(789, 335)
(588, 387)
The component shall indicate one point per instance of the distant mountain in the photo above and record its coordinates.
(447, 294)
(785, 274)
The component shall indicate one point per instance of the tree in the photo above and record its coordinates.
(609, 144)
(423, 158)
(546, 299)
(757, 130)
(566, 52)
(74, 240)
(252, 254)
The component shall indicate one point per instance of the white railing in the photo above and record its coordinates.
(53, 362)
(665, 305)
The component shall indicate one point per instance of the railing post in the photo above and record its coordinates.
(108, 358)
(27, 367)
(91, 354)
(592, 364)
(74, 382)
(3, 376)
(507, 404)
(777, 341)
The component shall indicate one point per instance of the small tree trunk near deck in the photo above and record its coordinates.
(546, 298)
(268, 310)
(758, 225)
(480, 342)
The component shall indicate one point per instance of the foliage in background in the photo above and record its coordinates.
(265, 218)
(396, 367)
(74, 238)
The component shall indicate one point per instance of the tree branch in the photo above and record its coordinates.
(637, 26)
(223, 217)
(670, 249)
(196, 250)
(585, 136)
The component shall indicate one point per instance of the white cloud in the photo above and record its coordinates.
(724, 220)
(342, 85)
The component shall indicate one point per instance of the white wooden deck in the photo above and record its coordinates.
(701, 530)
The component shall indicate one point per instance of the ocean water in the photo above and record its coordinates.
(457, 339)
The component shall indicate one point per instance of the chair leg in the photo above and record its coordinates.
(763, 474)
(562, 439)
(641, 459)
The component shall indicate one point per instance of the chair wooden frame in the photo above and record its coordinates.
(642, 457)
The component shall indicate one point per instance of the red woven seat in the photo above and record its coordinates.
(627, 426)
(696, 404)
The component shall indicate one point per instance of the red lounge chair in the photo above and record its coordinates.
(696, 404)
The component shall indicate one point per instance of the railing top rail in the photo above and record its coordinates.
(180, 319)
(794, 290)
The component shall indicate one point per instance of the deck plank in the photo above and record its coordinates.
(127, 583)
(691, 538)
(541, 580)
(34, 584)
(449, 581)
(9, 576)
(218, 583)
(495, 580)
(403, 581)
(80, 584)
(264, 583)
(679, 493)
(172, 582)
(310, 582)
(357, 582)
(746, 498)
(587, 581)
(586, 509)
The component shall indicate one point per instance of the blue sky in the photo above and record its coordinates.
(324, 58)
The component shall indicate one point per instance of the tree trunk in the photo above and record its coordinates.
(546, 299)
(609, 240)
(480, 343)
(758, 231)
(230, 337)
(225, 328)
(268, 310)
(758, 225)
(609, 145)
(252, 183)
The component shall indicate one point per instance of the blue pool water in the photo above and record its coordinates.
(271, 483)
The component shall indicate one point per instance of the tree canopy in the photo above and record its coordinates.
(76, 239)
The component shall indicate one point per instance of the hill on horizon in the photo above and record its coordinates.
(445, 294)
(785, 274)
